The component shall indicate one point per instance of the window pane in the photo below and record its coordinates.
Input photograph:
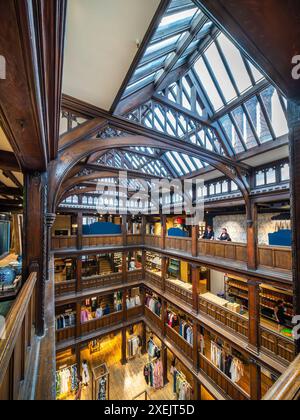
(208, 84)
(258, 120)
(236, 63)
(285, 172)
(232, 134)
(244, 127)
(271, 176)
(221, 74)
(162, 44)
(275, 111)
(260, 178)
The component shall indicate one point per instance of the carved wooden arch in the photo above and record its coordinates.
(71, 156)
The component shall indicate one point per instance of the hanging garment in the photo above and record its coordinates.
(158, 375)
(85, 374)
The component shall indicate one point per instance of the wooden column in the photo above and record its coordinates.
(36, 241)
(164, 318)
(252, 255)
(254, 315)
(144, 338)
(124, 346)
(196, 389)
(144, 257)
(196, 292)
(78, 274)
(195, 347)
(78, 357)
(143, 228)
(255, 380)
(78, 320)
(163, 273)
(164, 359)
(195, 237)
(124, 306)
(79, 230)
(294, 125)
(163, 231)
(124, 229)
(124, 267)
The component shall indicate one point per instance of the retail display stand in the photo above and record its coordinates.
(101, 383)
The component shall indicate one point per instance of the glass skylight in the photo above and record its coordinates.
(177, 17)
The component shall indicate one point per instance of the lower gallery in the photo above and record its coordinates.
(149, 201)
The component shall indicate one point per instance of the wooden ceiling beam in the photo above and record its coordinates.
(9, 162)
(11, 176)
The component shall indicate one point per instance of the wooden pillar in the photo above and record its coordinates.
(144, 338)
(255, 380)
(124, 346)
(78, 274)
(195, 237)
(254, 315)
(163, 231)
(36, 241)
(79, 230)
(252, 241)
(144, 259)
(78, 358)
(294, 126)
(196, 389)
(164, 359)
(124, 267)
(78, 319)
(195, 347)
(124, 229)
(143, 228)
(124, 305)
(163, 273)
(164, 318)
(196, 292)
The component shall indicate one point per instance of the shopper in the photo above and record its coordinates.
(279, 311)
(209, 234)
(224, 236)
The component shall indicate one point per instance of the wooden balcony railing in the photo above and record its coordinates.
(180, 342)
(65, 334)
(135, 275)
(134, 240)
(179, 244)
(90, 241)
(226, 250)
(153, 318)
(64, 287)
(17, 340)
(95, 282)
(234, 322)
(105, 322)
(134, 312)
(180, 292)
(64, 242)
(287, 388)
(278, 258)
(222, 381)
(153, 279)
(153, 241)
(276, 344)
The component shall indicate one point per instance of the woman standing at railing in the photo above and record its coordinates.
(224, 236)
(209, 234)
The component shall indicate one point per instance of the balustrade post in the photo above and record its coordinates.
(143, 228)
(255, 380)
(144, 338)
(195, 237)
(163, 231)
(196, 347)
(124, 267)
(254, 315)
(79, 230)
(252, 239)
(164, 318)
(164, 358)
(78, 274)
(196, 292)
(124, 305)
(163, 273)
(50, 220)
(124, 346)
(78, 357)
(144, 259)
(78, 320)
